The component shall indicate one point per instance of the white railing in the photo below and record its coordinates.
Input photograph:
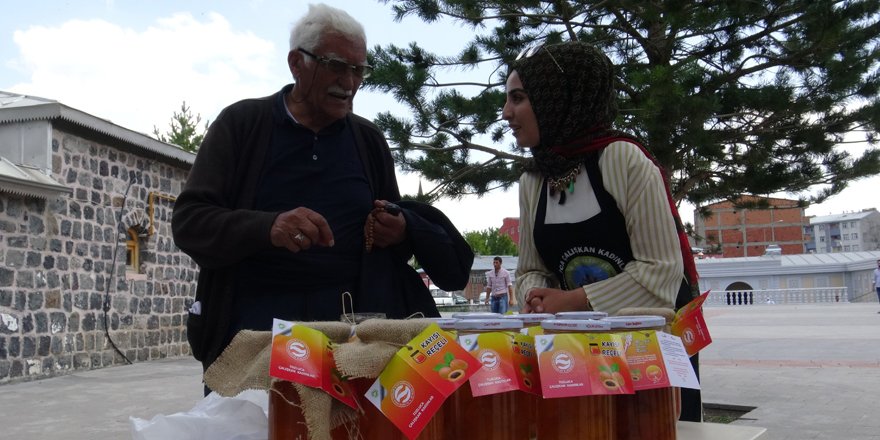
(777, 296)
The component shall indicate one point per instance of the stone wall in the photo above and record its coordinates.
(57, 271)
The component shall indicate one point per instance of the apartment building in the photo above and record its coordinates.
(847, 232)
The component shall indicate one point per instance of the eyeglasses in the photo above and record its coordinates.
(340, 67)
(535, 48)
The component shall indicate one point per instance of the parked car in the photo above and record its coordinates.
(458, 299)
(441, 297)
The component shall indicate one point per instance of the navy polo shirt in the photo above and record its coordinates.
(321, 171)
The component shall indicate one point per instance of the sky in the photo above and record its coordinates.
(134, 62)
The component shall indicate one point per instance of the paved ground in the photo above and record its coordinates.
(811, 372)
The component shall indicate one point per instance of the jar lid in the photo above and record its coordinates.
(476, 315)
(445, 323)
(530, 318)
(643, 321)
(578, 325)
(496, 324)
(581, 315)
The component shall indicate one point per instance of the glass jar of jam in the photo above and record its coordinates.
(531, 327)
(649, 413)
(491, 417)
(286, 420)
(581, 417)
(373, 425)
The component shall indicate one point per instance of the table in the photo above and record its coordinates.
(717, 431)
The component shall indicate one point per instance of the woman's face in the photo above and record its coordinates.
(519, 115)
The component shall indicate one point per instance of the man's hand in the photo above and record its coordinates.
(300, 229)
(388, 229)
(545, 300)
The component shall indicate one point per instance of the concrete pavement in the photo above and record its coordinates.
(811, 372)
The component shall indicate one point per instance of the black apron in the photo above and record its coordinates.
(588, 251)
(599, 248)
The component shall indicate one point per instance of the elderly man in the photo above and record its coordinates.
(287, 208)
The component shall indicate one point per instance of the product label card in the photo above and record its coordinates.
(419, 377)
(526, 361)
(690, 325)
(494, 351)
(304, 355)
(677, 361)
(658, 360)
(582, 364)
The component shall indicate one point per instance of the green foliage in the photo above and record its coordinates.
(732, 97)
(184, 130)
(490, 242)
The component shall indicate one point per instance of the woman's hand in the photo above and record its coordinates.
(546, 300)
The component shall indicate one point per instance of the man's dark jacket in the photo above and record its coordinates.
(214, 223)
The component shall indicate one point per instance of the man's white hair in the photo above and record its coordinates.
(320, 20)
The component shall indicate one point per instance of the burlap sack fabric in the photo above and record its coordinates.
(376, 342)
(245, 365)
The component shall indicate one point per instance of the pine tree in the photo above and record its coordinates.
(732, 97)
(184, 130)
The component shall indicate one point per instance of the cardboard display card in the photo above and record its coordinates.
(304, 355)
(582, 364)
(508, 362)
(419, 378)
(690, 325)
(658, 360)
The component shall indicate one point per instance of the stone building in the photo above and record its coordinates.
(89, 274)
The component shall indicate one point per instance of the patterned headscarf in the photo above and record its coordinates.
(571, 89)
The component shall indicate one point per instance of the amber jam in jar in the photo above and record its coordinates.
(649, 413)
(490, 417)
(531, 327)
(581, 417)
(373, 425)
(286, 421)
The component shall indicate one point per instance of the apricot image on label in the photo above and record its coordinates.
(451, 369)
(610, 377)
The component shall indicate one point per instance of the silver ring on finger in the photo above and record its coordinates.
(299, 237)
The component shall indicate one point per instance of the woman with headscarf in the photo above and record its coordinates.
(599, 230)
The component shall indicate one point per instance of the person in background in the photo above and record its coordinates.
(599, 230)
(499, 289)
(288, 204)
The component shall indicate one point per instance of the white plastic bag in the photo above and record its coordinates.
(243, 417)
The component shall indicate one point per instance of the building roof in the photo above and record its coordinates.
(847, 216)
(788, 264)
(28, 181)
(23, 108)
